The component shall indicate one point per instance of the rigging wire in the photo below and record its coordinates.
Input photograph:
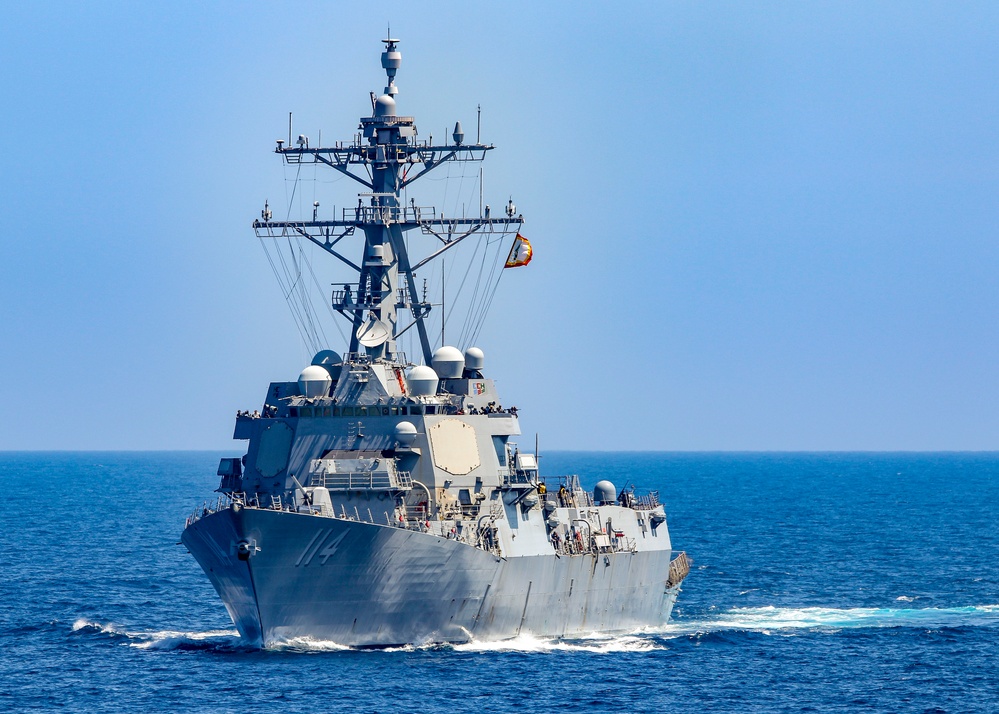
(477, 298)
(303, 306)
(305, 294)
(464, 279)
(329, 306)
(288, 270)
(482, 272)
(489, 302)
(284, 282)
(488, 294)
(482, 239)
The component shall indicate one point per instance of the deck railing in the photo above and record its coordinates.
(363, 481)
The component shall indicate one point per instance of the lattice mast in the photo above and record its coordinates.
(392, 158)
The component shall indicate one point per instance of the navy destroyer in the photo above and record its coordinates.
(383, 501)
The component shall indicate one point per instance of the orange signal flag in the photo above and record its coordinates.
(520, 253)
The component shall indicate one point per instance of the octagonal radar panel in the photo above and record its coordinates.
(373, 333)
(455, 447)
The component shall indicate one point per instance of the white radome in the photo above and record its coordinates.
(422, 381)
(315, 381)
(448, 362)
(405, 433)
(474, 358)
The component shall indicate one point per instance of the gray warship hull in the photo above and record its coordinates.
(381, 501)
(368, 585)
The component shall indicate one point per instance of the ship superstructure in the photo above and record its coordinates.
(383, 502)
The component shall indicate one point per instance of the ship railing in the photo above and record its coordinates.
(415, 518)
(645, 501)
(679, 567)
(624, 545)
(363, 481)
(417, 514)
(389, 214)
(568, 546)
(578, 542)
(515, 479)
(220, 504)
(601, 544)
(486, 537)
(575, 544)
(364, 358)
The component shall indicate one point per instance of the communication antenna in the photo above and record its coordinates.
(478, 140)
(443, 303)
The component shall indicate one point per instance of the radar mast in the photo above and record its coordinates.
(385, 157)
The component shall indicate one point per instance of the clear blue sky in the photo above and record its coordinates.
(756, 225)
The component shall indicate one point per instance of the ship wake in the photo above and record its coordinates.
(768, 620)
(761, 620)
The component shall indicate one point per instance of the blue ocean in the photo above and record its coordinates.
(821, 583)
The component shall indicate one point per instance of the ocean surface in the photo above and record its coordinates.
(821, 583)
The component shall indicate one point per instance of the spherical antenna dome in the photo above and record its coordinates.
(448, 362)
(474, 358)
(422, 381)
(385, 106)
(314, 381)
(405, 433)
(604, 493)
(327, 358)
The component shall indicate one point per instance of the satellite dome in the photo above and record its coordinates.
(422, 381)
(327, 358)
(385, 106)
(405, 433)
(474, 358)
(314, 381)
(604, 493)
(448, 362)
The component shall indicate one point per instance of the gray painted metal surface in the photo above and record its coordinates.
(363, 584)
(381, 502)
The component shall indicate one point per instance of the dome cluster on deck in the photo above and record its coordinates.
(316, 379)
(447, 363)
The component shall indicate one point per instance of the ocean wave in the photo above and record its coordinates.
(307, 644)
(765, 620)
(770, 619)
(164, 639)
(595, 643)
